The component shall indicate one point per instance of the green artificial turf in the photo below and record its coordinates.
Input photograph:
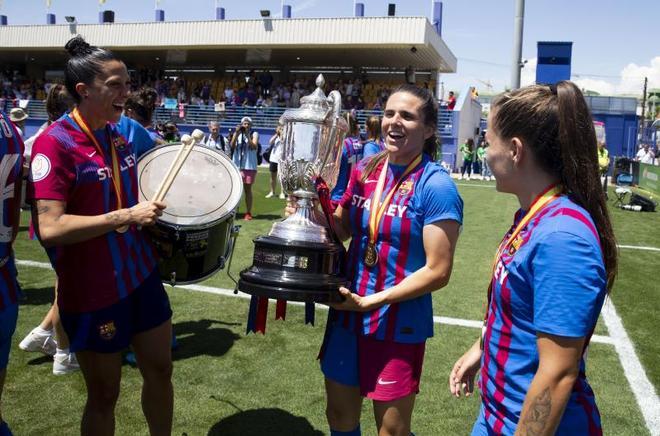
(227, 383)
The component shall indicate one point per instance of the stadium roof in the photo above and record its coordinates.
(370, 42)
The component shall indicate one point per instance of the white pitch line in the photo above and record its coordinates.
(230, 293)
(476, 185)
(640, 384)
(637, 247)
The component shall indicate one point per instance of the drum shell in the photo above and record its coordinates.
(191, 254)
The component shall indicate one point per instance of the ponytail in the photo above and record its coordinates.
(557, 125)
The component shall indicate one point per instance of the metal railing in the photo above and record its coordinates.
(262, 117)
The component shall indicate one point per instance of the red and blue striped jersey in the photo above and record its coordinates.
(427, 195)
(66, 166)
(553, 281)
(11, 167)
(351, 154)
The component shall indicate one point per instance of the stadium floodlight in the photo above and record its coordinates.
(265, 13)
(70, 19)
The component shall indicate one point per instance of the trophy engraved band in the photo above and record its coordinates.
(300, 259)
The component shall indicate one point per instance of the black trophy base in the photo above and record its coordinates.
(294, 270)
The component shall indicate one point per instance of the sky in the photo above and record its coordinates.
(615, 43)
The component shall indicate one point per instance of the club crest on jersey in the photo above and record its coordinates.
(119, 143)
(40, 167)
(406, 187)
(107, 331)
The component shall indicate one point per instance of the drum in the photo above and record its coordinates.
(196, 234)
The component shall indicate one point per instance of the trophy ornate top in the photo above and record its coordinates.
(314, 108)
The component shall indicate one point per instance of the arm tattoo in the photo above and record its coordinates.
(538, 412)
(42, 209)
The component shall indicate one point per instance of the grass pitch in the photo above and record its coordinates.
(227, 383)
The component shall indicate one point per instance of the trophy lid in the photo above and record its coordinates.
(314, 108)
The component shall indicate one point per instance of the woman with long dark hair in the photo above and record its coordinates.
(351, 154)
(403, 213)
(84, 186)
(551, 272)
(374, 142)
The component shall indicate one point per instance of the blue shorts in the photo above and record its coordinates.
(111, 329)
(8, 317)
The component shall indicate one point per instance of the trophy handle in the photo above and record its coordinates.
(335, 99)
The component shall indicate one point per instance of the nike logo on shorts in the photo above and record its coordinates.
(383, 382)
(91, 154)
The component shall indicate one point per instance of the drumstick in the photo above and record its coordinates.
(187, 143)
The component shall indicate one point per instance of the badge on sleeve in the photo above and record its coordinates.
(40, 167)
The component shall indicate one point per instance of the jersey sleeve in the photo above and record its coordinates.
(370, 148)
(347, 196)
(50, 175)
(569, 282)
(140, 138)
(440, 200)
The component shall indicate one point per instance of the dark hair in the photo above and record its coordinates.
(84, 64)
(58, 102)
(470, 143)
(372, 126)
(142, 103)
(557, 126)
(429, 110)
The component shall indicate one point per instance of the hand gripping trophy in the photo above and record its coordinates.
(301, 259)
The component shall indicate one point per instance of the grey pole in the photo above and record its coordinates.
(517, 44)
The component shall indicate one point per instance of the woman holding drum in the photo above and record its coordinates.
(551, 272)
(84, 184)
(403, 214)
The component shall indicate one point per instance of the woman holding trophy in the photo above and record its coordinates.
(403, 214)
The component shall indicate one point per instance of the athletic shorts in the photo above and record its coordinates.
(248, 176)
(111, 329)
(8, 317)
(384, 370)
(273, 167)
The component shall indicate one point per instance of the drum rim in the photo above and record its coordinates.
(230, 211)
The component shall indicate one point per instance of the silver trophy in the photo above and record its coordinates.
(300, 258)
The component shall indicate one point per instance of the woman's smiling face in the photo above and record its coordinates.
(404, 127)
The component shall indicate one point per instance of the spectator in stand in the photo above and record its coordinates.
(274, 159)
(467, 150)
(374, 144)
(229, 94)
(451, 101)
(18, 116)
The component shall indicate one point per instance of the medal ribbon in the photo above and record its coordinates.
(377, 208)
(116, 176)
(549, 195)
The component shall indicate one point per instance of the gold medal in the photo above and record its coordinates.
(370, 255)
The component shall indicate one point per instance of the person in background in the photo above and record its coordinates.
(18, 116)
(479, 159)
(276, 145)
(49, 336)
(215, 140)
(467, 150)
(140, 107)
(603, 163)
(645, 155)
(351, 154)
(486, 172)
(551, 271)
(11, 153)
(244, 149)
(451, 101)
(374, 144)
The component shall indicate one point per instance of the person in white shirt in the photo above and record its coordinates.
(274, 158)
(215, 140)
(645, 155)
